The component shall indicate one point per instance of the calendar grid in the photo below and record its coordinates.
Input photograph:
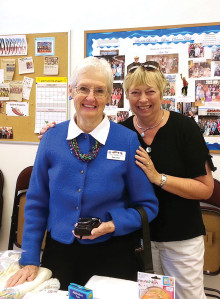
(51, 103)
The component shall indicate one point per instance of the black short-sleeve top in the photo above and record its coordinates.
(179, 150)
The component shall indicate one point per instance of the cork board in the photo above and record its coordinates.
(23, 127)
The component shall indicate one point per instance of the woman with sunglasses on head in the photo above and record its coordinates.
(175, 158)
(85, 168)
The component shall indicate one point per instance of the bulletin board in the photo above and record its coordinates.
(185, 52)
(24, 126)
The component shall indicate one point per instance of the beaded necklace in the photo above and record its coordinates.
(75, 149)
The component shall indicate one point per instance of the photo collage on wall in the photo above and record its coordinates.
(189, 58)
(115, 108)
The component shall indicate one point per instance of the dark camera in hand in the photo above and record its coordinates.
(86, 225)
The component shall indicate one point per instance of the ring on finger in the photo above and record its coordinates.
(148, 164)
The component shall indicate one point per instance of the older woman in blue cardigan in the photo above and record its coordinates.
(85, 167)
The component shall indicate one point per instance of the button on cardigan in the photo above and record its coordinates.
(63, 188)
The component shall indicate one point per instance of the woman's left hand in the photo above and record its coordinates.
(104, 228)
(144, 161)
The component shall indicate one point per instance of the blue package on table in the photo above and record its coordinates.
(79, 292)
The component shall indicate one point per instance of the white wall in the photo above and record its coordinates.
(20, 17)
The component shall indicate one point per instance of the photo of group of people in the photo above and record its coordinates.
(122, 115)
(6, 133)
(216, 53)
(189, 109)
(44, 47)
(196, 50)
(117, 63)
(171, 86)
(168, 104)
(117, 98)
(217, 68)
(118, 67)
(168, 62)
(51, 60)
(209, 125)
(118, 115)
(207, 92)
(199, 69)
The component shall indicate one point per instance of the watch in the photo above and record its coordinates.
(163, 180)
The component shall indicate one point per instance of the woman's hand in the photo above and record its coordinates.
(143, 160)
(27, 273)
(46, 128)
(104, 228)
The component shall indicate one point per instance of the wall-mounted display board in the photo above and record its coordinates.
(189, 57)
(33, 84)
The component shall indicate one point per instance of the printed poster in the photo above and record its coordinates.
(13, 45)
(9, 67)
(51, 65)
(26, 65)
(16, 88)
(17, 109)
(27, 85)
(45, 46)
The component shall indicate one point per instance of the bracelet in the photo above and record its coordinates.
(163, 180)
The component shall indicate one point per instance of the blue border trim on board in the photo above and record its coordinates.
(146, 33)
(213, 146)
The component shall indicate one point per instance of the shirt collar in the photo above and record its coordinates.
(100, 133)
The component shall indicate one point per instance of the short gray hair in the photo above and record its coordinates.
(97, 64)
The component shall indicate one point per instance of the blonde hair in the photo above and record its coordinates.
(97, 64)
(145, 77)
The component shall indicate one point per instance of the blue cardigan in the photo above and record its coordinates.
(63, 188)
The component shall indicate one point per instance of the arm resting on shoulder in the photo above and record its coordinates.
(198, 188)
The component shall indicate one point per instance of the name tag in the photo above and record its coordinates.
(116, 155)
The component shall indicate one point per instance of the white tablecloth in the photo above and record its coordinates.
(108, 288)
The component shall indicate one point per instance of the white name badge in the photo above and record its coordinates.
(116, 155)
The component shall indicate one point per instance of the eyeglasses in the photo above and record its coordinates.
(148, 66)
(98, 92)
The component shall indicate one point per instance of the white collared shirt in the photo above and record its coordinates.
(100, 133)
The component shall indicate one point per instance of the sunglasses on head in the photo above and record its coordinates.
(148, 66)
